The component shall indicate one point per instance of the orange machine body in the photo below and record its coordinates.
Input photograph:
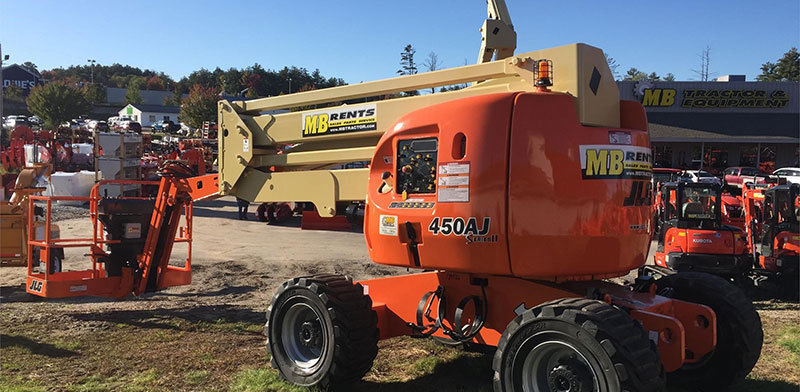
(511, 202)
(152, 272)
(511, 184)
(693, 235)
(778, 241)
(732, 211)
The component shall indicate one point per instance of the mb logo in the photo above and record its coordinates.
(658, 97)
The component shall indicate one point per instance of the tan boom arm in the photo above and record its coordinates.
(292, 156)
(498, 38)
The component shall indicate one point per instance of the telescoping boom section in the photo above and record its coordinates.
(269, 156)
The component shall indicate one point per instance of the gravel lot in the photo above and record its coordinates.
(208, 335)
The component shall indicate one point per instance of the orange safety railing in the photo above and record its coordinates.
(91, 281)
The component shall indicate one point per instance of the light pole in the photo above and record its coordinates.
(2, 84)
(290, 85)
(91, 62)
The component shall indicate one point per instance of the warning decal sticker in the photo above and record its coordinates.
(615, 161)
(388, 225)
(453, 182)
(340, 120)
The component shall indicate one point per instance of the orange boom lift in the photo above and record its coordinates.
(131, 243)
(514, 198)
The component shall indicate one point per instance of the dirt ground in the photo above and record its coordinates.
(209, 335)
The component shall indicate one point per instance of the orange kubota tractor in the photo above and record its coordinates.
(693, 237)
(771, 215)
(515, 198)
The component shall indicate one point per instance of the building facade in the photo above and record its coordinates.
(714, 125)
(19, 76)
(148, 114)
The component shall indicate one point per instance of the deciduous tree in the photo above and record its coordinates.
(56, 102)
(432, 63)
(201, 105)
(613, 66)
(94, 93)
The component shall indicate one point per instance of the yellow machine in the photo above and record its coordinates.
(14, 216)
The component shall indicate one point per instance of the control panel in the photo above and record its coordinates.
(416, 165)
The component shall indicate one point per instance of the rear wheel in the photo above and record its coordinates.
(576, 344)
(739, 334)
(322, 331)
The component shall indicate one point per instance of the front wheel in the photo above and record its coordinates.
(321, 331)
(739, 334)
(576, 344)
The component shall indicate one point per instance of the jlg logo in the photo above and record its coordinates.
(658, 97)
(36, 286)
(641, 194)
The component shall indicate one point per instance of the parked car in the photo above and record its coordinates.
(186, 130)
(738, 176)
(791, 174)
(131, 126)
(35, 120)
(166, 126)
(699, 176)
(116, 120)
(14, 121)
(73, 125)
(99, 126)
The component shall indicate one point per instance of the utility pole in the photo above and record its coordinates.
(91, 62)
(2, 85)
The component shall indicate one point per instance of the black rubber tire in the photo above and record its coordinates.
(616, 346)
(349, 330)
(739, 333)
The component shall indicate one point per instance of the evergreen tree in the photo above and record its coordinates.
(408, 66)
(133, 96)
(786, 69)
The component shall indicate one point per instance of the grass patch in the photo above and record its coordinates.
(226, 325)
(142, 382)
(206, 358)
(196, 377)
(19, 384)
(425, 365)
(258, 380)
(71, 345)
(789, 338)
(145, 380)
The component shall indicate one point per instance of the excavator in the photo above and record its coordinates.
(514, 200)
(771, 215)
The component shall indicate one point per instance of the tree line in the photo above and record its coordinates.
(254, 80)
(60, 100)
(785, 69)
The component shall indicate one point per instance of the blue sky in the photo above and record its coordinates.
(361, 40)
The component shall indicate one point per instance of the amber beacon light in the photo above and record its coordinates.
(544, 74)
